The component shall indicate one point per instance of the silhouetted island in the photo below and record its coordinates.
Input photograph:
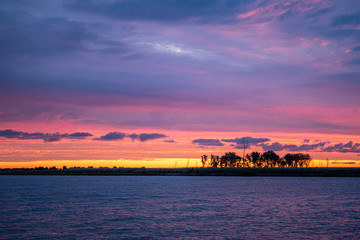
(230, 164)
(267, 159)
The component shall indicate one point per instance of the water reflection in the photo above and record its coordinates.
(115, 207)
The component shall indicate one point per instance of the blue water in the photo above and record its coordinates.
(156, 207)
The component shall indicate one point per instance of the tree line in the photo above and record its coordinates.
(256, 159)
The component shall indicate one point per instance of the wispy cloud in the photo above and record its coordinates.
(179, 50)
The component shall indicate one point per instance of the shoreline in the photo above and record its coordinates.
(251, 172)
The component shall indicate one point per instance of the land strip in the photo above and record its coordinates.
(276, 172)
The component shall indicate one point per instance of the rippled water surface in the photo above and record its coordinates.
(156, 207)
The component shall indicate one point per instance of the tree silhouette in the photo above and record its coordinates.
(254, 158)
(307, 160)
(282, 162)
(303, 159)
(297, 159)
(245, 145)
(214, 161)
(271, 158)
(230, 159)
(204, 159)
(289, 159)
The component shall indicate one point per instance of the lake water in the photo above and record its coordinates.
(166, 207)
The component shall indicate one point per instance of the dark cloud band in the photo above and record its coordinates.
(47, 137)
(111, 136)
(162, 10)
(245, 142)
(143, 137)
(207, 142)
(349, 147)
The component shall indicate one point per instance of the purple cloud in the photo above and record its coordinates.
(112, 136)
(47, 137)
(163, 10)
(276, 146)
(150, 136)
(349, 147)
(347, 19)
(143, 137)
(207, 142)
(246, 142)
(184, 65)
(79, 135)
(133, 136)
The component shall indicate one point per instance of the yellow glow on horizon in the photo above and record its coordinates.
(148, 163)
(334, 163)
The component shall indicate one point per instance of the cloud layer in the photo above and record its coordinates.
(54, 137)
(162, 10)
(171, 64)
(266, 145)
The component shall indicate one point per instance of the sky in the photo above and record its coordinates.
(160, 83)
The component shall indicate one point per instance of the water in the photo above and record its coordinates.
(156, 207)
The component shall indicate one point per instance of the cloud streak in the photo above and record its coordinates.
(207, 142)
(276, 146)
(348, 19)
(46, 137)
(246, 142)
(143, 137)
(112, 136)
(349, 147)
(162, 10)
(26, 35)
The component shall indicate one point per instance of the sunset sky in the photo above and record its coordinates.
(159, 83)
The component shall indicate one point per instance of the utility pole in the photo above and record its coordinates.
(245, 146)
